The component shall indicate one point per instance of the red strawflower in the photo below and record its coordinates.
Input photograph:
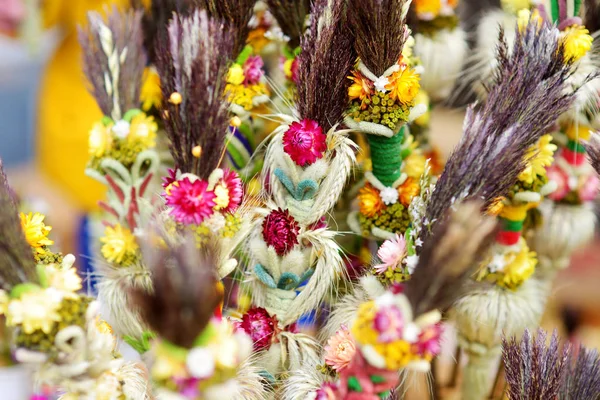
(280, 231)
(191, 202)
(305, 142)
(260, 326)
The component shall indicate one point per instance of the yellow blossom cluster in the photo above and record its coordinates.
(538, 157)
(36, 231)
(119, 245)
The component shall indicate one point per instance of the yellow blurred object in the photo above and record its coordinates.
(67, 110)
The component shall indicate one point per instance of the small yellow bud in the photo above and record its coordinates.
(175, 98)
(197, 151)
(235, 121)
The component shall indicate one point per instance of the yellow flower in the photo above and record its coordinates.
(577, 42)
(36, 232)
(414, 165)
(538, 157)
(361, 88)
(430, 8)
(244, 96)
(496, 207)
(150, 94)
(513, 6)
(143, 130)
(35, 310)
(578, 132)
(257, 39)
(221, 197)
(516, 212)
(524, 15)
(235, 75)
(119, 243)
(287, 68)
(519, 268)
(369, 201)
(100, 140)
(404, 85)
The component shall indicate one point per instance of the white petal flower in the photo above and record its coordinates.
(200, 362)
(380, 84)
(497, 264)
(411, 263)
(121, 129)
(389, 195)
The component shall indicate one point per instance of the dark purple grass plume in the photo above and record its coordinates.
(236, 14)
(193, 61)
(379, 27)
(184, 295)
(324, 64)
(127, 36)
(16, 258)
(449, 259)
(527, 95)
(582, 380)
(534, 371)
(291, 17)
(593, 152)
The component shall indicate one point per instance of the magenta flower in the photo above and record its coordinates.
(389, 323)
(305, 142)
(253, 70)
(233, 183)
(260, 326)
(391, 253)
(168, 180)
(191, 202)
(280, 231)
(327, 391)
(429, 342)
(589, 190)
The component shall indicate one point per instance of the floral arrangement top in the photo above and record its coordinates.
(246, 85)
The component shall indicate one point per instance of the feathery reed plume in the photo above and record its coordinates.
(534, 371)
(236, 14)
(380, 31)
(17, 264)
(592, 149)
(114, 60)
(192, 64)
(324, 63)
(448, 260)
(156, 19)
(527, 95)
(291, 17)
(582, 378)
(184, 294)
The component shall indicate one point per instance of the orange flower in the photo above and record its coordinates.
(369, 201)
(404, 85)
(409, 189)
(361, 88)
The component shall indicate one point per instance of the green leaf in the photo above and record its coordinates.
(142, 344)
(246, 52)
(23, 288)
(131, 113)
(206, 336)
(106, 121)
(42, 275)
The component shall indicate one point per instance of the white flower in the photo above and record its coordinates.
(497, 264)
(411, 333)
(418, 242)
(411, 263)
(121, 129)
(380, 84)
(389, 195)
(200, 362)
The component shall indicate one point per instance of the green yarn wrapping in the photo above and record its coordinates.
(386, 156)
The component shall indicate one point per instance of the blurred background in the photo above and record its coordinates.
(45, 114)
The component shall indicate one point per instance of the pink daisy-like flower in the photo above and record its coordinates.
(167, 181)
(253, 70)
(327, 391)
(389, 323)
(429, 342)
(280, 231)
(260, 326)
(340, 349)
(305, 142)
(391, 253)
(560, 177)
(191, 202)
(230, 187)
(589, 190)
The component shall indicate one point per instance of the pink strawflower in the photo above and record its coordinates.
(327, 391)
(391, 253)
(191, 202)
(232, 184)
(561, 178)
(589, 190)
(429, 342)
(389, 323)
(305, 142)
(253, 70)
(260, 326)
(280, 231)
(340, 349)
